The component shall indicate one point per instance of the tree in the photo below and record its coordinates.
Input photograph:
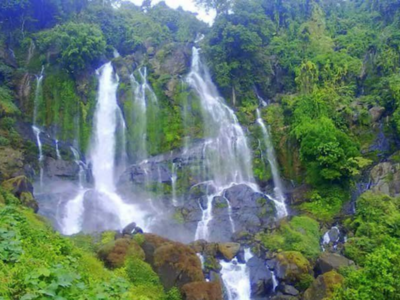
(220, 6)
(77, 44)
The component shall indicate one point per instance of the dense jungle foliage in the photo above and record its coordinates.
(329, 71)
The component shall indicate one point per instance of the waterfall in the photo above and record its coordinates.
(236, 279)
(144, 98)
(38, 91)
(114, 212)
(228, 155)
(274, 281)
(37, 132)
(174, 178)
(123, 154)
(57, 150)
(81, 174)
(279, 198)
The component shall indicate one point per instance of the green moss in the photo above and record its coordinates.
(299, 234)
(326, 203)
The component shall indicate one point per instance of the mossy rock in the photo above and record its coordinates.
(324, 286)
(177, 265)
(22, 188)
(115, 253)
(11, 162)
(292, 266)
(28, 200)
(202, 291)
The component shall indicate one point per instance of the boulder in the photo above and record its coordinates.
(202, 291)
(228, 250)
(291, 266)
(287, 289)
(176, 264)
(261, 281)
(332, 261)
(60, 168)
(385, 178)
(324, 286)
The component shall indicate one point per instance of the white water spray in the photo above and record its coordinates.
(236, 278)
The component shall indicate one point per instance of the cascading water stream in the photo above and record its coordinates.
(174, 178)
(123, 154)
(57, 150)
(37, 132)
(80, 163)
(35, 128)
(236, 279)
(38, 91)
(228, 155)
(279, 198)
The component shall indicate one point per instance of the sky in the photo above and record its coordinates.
(186, 5)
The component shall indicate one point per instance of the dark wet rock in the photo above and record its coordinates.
(60, 168)
(332, 261)
(323, 286)
(202, 291)
(287, 289)
(129, 229)
(250, 209)
(228, 250)
(203, 201)
(261, 282)
(291, 266)
(299, 194)
(148, 172)
(98, 214)
(240, 256)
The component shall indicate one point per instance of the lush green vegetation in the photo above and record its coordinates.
(300, 234)
(375, 248)
(68, 270)
(329, 71)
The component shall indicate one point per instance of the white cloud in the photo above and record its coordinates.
(186, 5)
